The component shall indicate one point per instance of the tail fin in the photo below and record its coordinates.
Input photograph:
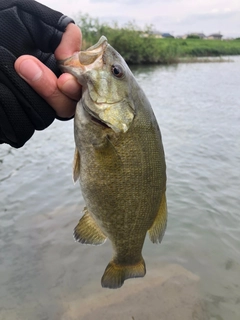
(115, 274)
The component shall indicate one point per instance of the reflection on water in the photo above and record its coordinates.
(44, 274)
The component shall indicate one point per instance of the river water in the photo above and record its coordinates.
(44, 274)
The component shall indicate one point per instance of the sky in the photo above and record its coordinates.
(175, 16)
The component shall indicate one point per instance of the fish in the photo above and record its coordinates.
(119, 160)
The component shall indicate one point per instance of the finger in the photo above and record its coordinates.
(44, 82)
(70, 43)
(69, 86)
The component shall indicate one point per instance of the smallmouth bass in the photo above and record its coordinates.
(119, 161)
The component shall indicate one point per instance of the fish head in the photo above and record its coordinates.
(106, 84)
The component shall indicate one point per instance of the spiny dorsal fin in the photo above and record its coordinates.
(87, 231)
(115, 274)
(76, 165)
(156, 232)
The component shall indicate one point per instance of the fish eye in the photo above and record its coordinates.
(117, 71)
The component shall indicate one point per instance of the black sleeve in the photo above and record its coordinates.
(26, 27)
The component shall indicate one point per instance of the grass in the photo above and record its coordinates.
(208, 48)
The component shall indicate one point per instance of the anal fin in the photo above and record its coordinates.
(156, 232)
(87, 231)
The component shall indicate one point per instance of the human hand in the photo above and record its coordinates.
(35, 36)
(60, 93)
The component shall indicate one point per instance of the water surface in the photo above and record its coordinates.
(44, 274)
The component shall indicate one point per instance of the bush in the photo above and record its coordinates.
(193, 36)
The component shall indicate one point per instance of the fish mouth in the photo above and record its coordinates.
(82, 61)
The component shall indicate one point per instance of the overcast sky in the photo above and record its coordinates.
(175, 16)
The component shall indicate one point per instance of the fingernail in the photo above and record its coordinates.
(29, 70)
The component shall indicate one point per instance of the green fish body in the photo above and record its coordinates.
(119, 161)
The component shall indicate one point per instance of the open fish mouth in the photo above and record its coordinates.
(86, 60)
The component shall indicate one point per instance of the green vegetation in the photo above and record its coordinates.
(142, 47)
(193, 36)
(208, 48)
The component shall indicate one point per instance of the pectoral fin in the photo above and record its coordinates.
(156, 232)
(87, 231)
(76, 166)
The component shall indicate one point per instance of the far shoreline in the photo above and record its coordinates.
(139, 47)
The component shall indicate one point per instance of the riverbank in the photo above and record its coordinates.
(141, 47)
(191, 59)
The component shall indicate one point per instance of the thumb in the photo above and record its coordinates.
(44, 82)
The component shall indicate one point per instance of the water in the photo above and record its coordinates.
(44, 274)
